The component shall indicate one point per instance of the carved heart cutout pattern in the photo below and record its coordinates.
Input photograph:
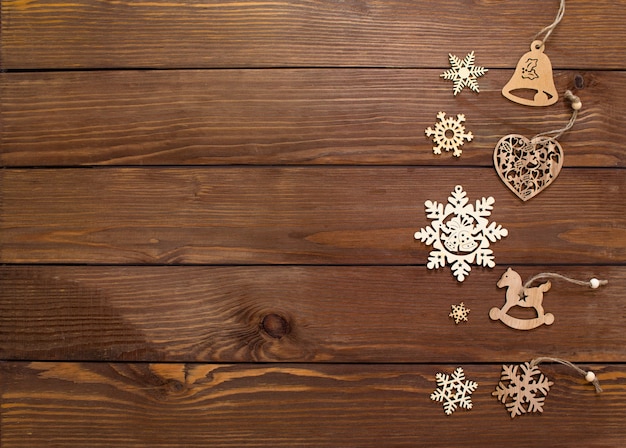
(527, 167)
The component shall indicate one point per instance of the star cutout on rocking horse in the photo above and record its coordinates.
(518, 295)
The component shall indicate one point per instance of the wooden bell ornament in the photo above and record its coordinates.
(532, 83)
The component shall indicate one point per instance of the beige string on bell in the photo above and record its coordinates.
(545, 33)
(533, 72)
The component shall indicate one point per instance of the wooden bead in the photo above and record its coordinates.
(590, 376)
(594, 283)
(577, 105)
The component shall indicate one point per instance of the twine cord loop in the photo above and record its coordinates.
(594, 283)
(587, 374)
(548, 30)
(576, 106)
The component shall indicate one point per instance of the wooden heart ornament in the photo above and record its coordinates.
(527, 167)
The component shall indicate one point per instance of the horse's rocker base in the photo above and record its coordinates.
(520, 324)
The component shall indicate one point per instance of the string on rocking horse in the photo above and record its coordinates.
(593, 283)
(523, 295)
(587, 374)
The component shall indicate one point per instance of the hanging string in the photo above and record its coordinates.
(594, 283)
(548, 30)
(588, 374)
(576, 106)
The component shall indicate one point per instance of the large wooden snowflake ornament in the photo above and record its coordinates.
(463, 73)
(460, 233)
(453, 391)
(522, 388)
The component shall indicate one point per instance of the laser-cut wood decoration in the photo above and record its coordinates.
(522, 388)
(460, 233)
(454, 391)
(518, 295)
(459, 313)
(449, 134)
(527, 167)
(533, 74)
(463, 73)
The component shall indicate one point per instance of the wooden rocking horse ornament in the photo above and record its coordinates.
(518, 295)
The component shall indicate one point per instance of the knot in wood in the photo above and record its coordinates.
(275, 325)
(579, 82)
(175, 386)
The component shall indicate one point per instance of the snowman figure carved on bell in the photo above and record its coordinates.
(532, 83)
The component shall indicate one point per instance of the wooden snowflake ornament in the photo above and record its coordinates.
(449, 134)
(460, 233)
(459, 313)
(463, 73)
(453, 391)
(522, 389)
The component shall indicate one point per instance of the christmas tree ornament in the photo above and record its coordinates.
(453, 391)
(532, 83)
(463, 73)
(459, 313)
(527, 167)
(525, 296)
(523, 388)
(460, 233)
(533, 73)
(449, 134)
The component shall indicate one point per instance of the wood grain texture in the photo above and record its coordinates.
(253, 215)
(312, 116)
(297, 314)
(168, 405)
(238, 183)
(404, 33)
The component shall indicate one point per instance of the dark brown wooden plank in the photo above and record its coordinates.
(351, 116)
(314, 314)
(252, 215)
(168, 405)
(405, 33)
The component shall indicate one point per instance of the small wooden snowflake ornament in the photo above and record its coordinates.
(522, 389)
(449, 134)
(459, 313)
(463, 73)
(454, 391)
(460, 233)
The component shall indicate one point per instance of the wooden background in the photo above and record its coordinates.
(207, 212)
